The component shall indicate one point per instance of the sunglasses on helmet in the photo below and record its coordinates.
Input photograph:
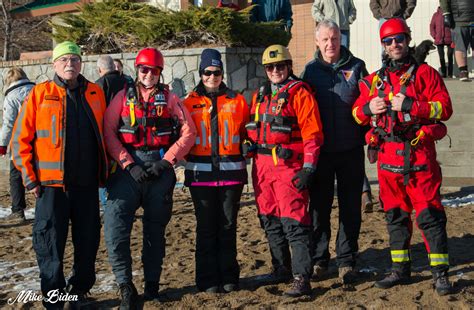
(399, 38)
(211, 72)
(145, 70)
(279, 67)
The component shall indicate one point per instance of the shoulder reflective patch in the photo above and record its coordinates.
(354, 115)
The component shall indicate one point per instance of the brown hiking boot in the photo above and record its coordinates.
(347, 275)
(367, 204)
(299, 287)
(15, 218)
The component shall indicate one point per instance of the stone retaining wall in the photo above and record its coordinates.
(243, 71)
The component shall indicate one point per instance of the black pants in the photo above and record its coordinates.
(348, 168)
(442, 61)
(216, 211)
(17, 190)
(54, 209)
(283, 233)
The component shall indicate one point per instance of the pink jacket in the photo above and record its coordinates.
(176, 152)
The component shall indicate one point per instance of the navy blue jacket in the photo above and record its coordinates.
(336, 89)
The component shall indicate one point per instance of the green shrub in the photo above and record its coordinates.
(115, 26)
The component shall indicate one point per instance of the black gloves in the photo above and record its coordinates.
(155, 168)
(448, 20)
(303, 178)
(137, 172)
(248, 149)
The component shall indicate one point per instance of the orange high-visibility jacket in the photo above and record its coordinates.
(38, 141)
(216, 154)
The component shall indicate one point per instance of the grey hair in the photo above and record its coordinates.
(106, 63)
(327, 23)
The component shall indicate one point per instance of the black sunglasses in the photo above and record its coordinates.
(398, 39)
(145, 70)
(271, 67)
(210, 72)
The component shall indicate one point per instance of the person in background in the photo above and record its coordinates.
(385, 9)
(227, 4)
(459, 16)
(119, 67)
(334, 74)
(57, 145)
(216, 173)
(442, 38)
(342, 12)
(273, 10)
(406, 111)
(111, 80)
(147, 131)
(286, 131)
(18, 86)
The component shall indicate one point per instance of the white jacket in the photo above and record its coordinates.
(343, 12)
(15, 95)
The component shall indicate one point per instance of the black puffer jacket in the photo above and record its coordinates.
(462, 10)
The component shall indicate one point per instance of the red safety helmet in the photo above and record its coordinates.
(394, 26)
(150, 56)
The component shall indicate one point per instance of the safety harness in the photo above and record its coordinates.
(276, 120)
(390, 132)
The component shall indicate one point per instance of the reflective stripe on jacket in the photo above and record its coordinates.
(38, 142)
(220, 122)
(290, 119)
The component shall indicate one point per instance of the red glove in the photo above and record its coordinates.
(3, 150)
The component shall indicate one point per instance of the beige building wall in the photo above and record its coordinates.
(364, 33)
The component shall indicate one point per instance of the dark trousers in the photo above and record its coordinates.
(54, 209)
(216, 211)
(348, 168)
(17, 190)
(283, 233)
(442, 60)
(155, 196)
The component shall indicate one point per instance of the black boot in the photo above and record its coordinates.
(151, 290)
(395, 277)
(441, 283)
(299, 287)
(129, 296)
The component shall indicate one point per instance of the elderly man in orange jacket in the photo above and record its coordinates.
(57, 145)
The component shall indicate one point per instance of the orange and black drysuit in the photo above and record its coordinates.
(409, 175)
(286, 127)
(57, 144)
(216, 173)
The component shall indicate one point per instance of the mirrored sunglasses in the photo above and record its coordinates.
(398, 39)
(145, 70)
(210, 72)
(279, 67)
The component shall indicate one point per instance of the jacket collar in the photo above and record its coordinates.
(200, 90)
(17, 84)
(82, 82)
